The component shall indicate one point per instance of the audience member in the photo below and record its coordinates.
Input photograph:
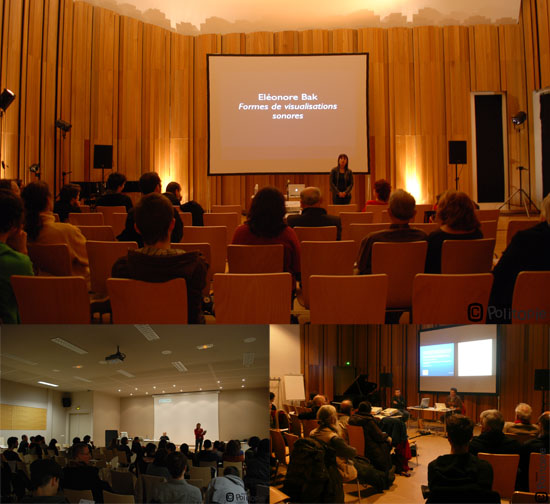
(208, 454)
(399, 403)
(459, 474)
(529, 250)
(162, 444)
(401, 211)
(113, 195)
(522, 423)
(317, 402)
(67, 202)
(233, 452)
(150, 183)
(458, 221)
(156, 261)
(41, 227)
(272, 410)
(539, 444)
(10, 185)
(253, 444)
(123, 447)
(257, 467)
(170, 448)
(266, 226)
(158, 467)
(228, 488)
(173, 193)
(10, 454)
(53, 447)
(312, 214)
(137, 448)
(45, 477)
(184, 449)
(346, 409)
(148, 457)
(24, 445)
(87, 439)
(13, 256)
(218, 447)
(35, 448)
(492, 439)
(382, 190)
(176, 489)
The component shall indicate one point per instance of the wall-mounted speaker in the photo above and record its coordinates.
(66, 401)
(542, 379)
(103, 156)
(386, 380)
(457, 152)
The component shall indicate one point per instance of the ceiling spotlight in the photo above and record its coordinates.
(244, 379)
(174, 385)
(135, 388)
(146, 393)
(218, 381)
(131, 393)
(204, 347)
(242, 386)
(181, 390)
(119, 390)
(221, 388)
(519, 118)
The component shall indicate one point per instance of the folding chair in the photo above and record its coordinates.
(349, 218)
(338, 209)
(98, 233)
(51, 259)
(531, 302)
(322, 233)
(255, 258)
(505, 468)
(467, 256)
(86, 219)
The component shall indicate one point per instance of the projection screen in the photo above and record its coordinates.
(287, 114)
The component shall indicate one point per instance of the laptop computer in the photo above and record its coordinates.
(440, 405)
(294, 190)
(425, 403)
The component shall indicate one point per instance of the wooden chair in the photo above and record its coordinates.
(451, 299)
(52, 300)
(519, 437)
(62, 461)
(427, 227)
(321, 233)
(517, 225)
(538, 473)
(505, 468)
(348, 299)
(385, 217)
(295, 425)
(359, 231)
(467, 256)
(118, 498)
(98, 233)
(85, 208)
(196, 483)
(216, 236)
(205, 250)
(74, 496)
(118, 222)
(377, 211)
(290, 440)
(202, 473)
(186, 218)
(51, 259)
(147, 485)
(531, 302)
(338, 209)
(136, 302)
(108, 212)
(488, 214)
(101, 256)
(86, 219)
(420, 209)
(276, 496)
(525, 498)
(237, 465)
(356, 437)
(489, 229)
(278, 445)
(325, 258)
(229, 220)
(122, 482)
(255, 258)
(238, 209)
(401, 262)
(308, 425)
(252, 298)
(349, 218)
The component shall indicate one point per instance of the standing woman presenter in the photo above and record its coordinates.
(341, 181)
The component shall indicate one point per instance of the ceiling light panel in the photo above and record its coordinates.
(19, 359)
(125, 373)
(69, 346)
(147, 331)
(82, 379)
(180, 367)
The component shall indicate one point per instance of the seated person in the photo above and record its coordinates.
(67, 202)
(529, 250)
(53, 447)
(113, 195)
(458, 221)
(147, 458)
(492, 439)
(208, 454)
(317, 402)
(80, 475)
(45, 477)
(190, 456)
(159, 465)
(10, 454)
(539, 444)
(453, 402)
(10, 185)
(24, 444)
(398, 402)
(173, 193)
(346, 407)
(229, 488)
(253, 443)
(164, 437)
(401, 211)
(312, 214)
(233, 452)
(156, 261)
(150, 183)
(123, 447)
(522, 423)
(257, 467)
(176, 489)
(459, 476)
(13, 257)
(382, 190)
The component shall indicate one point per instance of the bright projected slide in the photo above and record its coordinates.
(287, 114)
(178, 415)
(463, 357)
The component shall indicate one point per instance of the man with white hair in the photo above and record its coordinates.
(522, 424)
(529, 250)
(492, 439)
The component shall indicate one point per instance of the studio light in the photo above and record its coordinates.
(6, 98)
(519, 118)
(63, 125)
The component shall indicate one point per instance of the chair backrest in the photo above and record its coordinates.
(206, 250)
(349, 299)
(122, 482)
(85, 208)
(186, 218)
(238, 209)
(196, 483)
(420, 209)
(52, 300)
(118, 221)
(525, 498)
(308, 425)
(53, 259)
(349, 218)
(321, 233)
(108, 212)
(203, 473)
(216, 236)
(401, 262)
(237, 465)
(252, 298)
(518, 225)
(86, 219)
(136, 302)
(489, 228)
(122, 458)
(101, 256)
(118, 498)
(62, 461)
(290, 440)
(148, 484)
(359, 231)
(467, 256)
(531, 302)
(451, 299)
(325, 258)
(338, 209)
(538, 472)
(278, 445)
(377, 211)
(255, 258)
(98, 233)
(356, 437)
(427, 227)
(385, 217)
(229, 220)
(505, 468)
(74, 496)
(488, 214)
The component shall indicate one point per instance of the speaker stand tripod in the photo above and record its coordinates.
(523, 196)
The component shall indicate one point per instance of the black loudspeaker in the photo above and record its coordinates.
(103, 156)
(109, 436)
(386, 380)
(66, 401)
(457, 152)
(542, 379)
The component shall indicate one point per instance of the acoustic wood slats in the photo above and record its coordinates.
(22, 418)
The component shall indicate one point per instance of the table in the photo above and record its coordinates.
(432, 409)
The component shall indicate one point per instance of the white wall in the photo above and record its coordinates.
(106, 416)
(284, 357)
(137, 416)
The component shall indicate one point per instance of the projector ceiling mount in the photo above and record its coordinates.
(116, 357)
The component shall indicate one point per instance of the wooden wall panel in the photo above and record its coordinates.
(484, 58)
(22, 418)
(543, 17)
